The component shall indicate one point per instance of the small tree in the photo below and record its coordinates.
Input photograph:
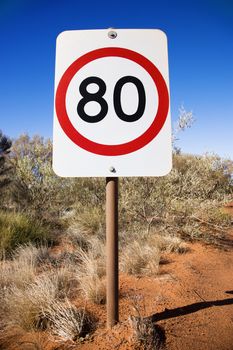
(37, 190)
(5, 145)
(185, 121)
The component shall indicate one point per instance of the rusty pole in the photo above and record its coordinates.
(112, 250)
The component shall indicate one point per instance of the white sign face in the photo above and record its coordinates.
(112, 114)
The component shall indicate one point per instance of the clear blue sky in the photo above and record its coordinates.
(200, 60)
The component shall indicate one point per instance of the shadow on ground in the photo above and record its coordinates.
(189, 309)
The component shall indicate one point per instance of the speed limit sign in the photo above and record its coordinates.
(112, 115)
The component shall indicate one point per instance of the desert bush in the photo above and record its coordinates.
(89, 220)
(168, 204)
(205, 177)
(17, 229)
(192, 178)
(90, 192)
(199, 220)
(163, 204)
(36, 188)
(210, 213)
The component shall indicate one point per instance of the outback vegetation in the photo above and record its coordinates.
(52, 236)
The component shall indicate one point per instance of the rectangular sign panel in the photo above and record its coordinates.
(112, 110)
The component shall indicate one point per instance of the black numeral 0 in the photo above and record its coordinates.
(117, 99)
(98, 97)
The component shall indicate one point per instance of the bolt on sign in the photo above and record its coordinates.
(112, 114)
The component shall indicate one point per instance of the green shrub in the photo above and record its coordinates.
(17, 228)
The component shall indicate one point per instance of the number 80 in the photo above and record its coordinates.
(98, 97)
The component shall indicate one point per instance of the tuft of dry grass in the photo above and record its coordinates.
(77, 238)
(65, 281)
(67, 321)
(93, 288)
(168, 243)
(42, 304)
(31, 254)
(16, 273)
(24, 306)
(140, 258)
(90, 274)
(147, 335)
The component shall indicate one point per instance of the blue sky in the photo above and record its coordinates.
(200, 60)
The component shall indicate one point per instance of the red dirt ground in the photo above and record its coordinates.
(191, 298)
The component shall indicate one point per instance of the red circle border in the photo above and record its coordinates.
(119, 149)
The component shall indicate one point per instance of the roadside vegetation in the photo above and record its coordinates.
(52, 233)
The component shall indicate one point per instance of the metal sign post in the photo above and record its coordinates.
(112, 250)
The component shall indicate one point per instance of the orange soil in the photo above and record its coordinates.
(192, 299)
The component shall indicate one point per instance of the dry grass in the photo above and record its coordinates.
(93, 289)
(24, 304)
(24, 307)
(67, 321)
(140, 258)
(65, 281)
(154, 214)
(31, 254)
(44, 305)
(16, 273)
(21, 270)
(168, 243)
(26, 295)
(76, 237)
(147, 335)
(90, 220)
(90, 274)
